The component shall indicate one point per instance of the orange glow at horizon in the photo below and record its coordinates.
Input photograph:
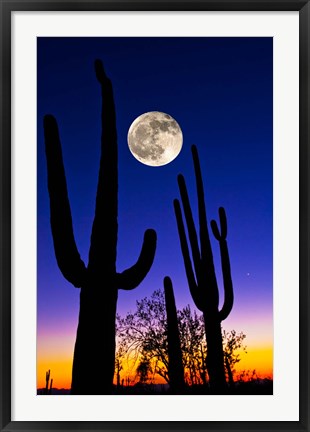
(55, 353)
(259, 358)
(60, 372)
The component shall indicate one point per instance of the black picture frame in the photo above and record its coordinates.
(6, 8)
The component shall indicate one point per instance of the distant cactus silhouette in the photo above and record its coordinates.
(99, 282)
(201, 275)
(48, 385)
(47, 378)
(175, 369)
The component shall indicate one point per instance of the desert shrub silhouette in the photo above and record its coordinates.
(94, 352)
(201, 275)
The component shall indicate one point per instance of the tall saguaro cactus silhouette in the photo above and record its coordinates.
(201, 274)
(94, 352)
(175, 370)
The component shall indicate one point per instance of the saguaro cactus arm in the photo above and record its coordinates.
(192, 234)
(67, 255)
(193, 286)
(220, 236)
(108, 118)
(205, 244)
(169, 296)
(104, 230)
(132, 277)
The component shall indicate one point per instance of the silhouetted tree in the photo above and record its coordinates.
(201, 274)
(248, 375)
(232, 345)
(99, 282)
(144, 333)
(193, 345)
(143, 370)
(119, 364)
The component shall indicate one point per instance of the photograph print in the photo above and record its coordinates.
(154, 216)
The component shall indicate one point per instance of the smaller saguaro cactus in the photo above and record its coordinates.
(175, 370)
(201, 274)
(48, 385)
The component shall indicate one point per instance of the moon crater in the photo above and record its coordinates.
(155, 138)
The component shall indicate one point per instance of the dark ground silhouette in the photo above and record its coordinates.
(254, 387)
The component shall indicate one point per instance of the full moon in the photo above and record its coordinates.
(155, 138)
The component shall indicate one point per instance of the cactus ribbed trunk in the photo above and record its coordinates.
(200, 272)
(175, 369)
(94, 353)
(215, 357)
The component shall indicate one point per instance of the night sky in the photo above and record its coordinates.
(219, 90)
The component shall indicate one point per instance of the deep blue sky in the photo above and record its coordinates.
(220, 92)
